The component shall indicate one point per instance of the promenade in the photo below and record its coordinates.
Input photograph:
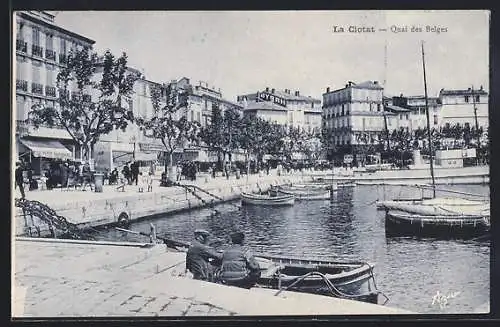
(88, 208)
(64, 278)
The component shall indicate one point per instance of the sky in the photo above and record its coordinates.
(243, 51)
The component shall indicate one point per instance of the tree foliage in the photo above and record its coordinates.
(174, 130)
(90, 99)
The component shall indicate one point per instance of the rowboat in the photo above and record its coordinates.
(399, 223)
(349, 280)
(305, 193)
(268, 200)
(438, 206)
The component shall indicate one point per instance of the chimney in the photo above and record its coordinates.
(481, 88)
(297, 93)
(401, 95)
(328, 90)
(375, 82)
(267, 89)
(272, 90)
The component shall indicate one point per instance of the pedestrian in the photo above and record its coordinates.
(141, 182)
(134, 169)
(178, 171)
(126, 173)
(239, 267)
(150, 182)
(123, 180)
(214, 169)
(86, 174)
(198, 255)
(19, 178)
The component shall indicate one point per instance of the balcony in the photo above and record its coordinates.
(37, 88)
(62, 58)
(26, 129)
(76, 96)
(63, 93)
(50, 54)
(22, 85)
(21, 46)
(37, 51)
(50, 91)
(86, 98)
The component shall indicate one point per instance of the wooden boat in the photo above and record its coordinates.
(268, 200)
(399, 223)
(354, 281)
(305, 193)
(438, 206)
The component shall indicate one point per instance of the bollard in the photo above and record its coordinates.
(152, 235)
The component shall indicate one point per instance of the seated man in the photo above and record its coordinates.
(239, 267)
(198, 255)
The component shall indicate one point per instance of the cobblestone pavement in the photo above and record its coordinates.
(61, 279)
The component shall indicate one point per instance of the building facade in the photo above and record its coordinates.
(284, 108)
(354, 114)
(41, 49)
(463, 106)
(409, 112)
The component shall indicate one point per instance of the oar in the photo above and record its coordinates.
(169, 242)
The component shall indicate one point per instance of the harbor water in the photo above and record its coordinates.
(421, 275)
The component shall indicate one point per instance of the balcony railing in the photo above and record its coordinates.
(22, 85)
(37, 88)
(50, 91)
(63, 93)
(21, 46)
(37, 50)
(50, 54)
(62, 58)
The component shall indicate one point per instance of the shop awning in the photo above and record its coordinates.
(47, 149)
(145, 156)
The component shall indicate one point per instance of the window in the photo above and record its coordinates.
(35, 71)
(467, 98)
(192, 115)
(20, 31)
(378, 106)
(406, 116)
(198, 116)
(435, 119)
(477, 98)
(36, 36)
(312, 104)
(62, 46)
(50, 77)
(49, 42)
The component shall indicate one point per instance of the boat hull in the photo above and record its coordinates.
(355, 282)
(311, 194)
(459, 226)
(256, 199)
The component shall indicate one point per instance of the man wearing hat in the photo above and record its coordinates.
(198, 255)
(239, 267)
(19, 178)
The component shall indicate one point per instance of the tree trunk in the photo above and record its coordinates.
(169, 169)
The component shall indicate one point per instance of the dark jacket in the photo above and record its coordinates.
(19, 175)
(238, 263)
(197, 260)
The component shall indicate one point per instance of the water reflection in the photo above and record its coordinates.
(410, 271)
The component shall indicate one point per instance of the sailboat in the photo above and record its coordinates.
(443, 216)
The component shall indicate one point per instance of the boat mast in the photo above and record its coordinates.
(428, 125)
(383, 109)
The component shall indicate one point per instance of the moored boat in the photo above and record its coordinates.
(305, 193)
(349, 280)
(399, 223)
(263, 199)
(438, 206)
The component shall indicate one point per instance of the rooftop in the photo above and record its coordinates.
(44, 21)
(373, 85)
(396, 109)
(463, 92)
(263, 105)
